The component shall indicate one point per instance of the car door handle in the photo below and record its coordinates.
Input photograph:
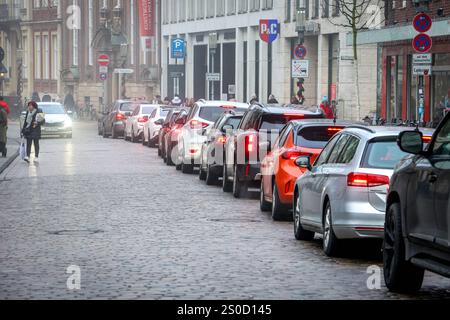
(432, 178)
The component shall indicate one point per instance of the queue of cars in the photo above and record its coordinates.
(332, 178)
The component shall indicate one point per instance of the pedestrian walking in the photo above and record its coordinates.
(325, 106)
(254, 99)
(31, 129)
(4, 111)
(272, 100)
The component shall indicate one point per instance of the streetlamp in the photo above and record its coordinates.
(212, 51)
(300, 24)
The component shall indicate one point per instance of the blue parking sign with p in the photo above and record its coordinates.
(178, 49)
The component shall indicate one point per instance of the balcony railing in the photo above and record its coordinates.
(10, 12)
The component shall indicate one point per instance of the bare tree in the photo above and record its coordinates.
(355, 15)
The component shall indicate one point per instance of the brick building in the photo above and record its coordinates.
(52, 47)
(399, 87)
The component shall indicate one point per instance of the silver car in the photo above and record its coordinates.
(343, 194)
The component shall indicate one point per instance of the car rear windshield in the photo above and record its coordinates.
(316, 137)
(147, 110)
(382, 154)
(127, 106)
(277, 121)
(212, 114)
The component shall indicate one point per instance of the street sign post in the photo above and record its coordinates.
(425, 58)
(103, 76)
(213, 77)
(300, 68)
(422, 22)
(124, 71)
(300, 51)
(103, 60)
(268, 30)
(422, 70)
(422, 43)
(178, 48)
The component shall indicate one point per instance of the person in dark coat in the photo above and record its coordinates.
(31, 129)
(4, 111)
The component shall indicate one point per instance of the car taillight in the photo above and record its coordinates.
(293, 154)
(195, 124)
(366, 180)
(426, 139)
(120, 116)
(221, 140)
(250, 143)
(142, 120)
(334, 129)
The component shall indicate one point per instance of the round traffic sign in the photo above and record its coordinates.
(422, 22)
(300, 51)
(103, 76)
(103, 60)
(422, 43)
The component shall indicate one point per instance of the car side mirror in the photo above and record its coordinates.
(227, 127)
(159, 122)
(304, 162)
(411, 142)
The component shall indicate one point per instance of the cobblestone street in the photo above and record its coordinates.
(141, 230)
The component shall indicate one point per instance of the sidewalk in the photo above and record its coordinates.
(12, 145)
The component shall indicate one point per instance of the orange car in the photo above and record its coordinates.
(279, 170)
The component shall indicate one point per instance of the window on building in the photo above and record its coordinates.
(267, 4)
(395, 87)
(210, 8)
(37, 56)
(336, 10)
(132, 31)
(91, 31)
(243, 6)
(46, 60)
(200, 9)
(182, 10)
(315, 9)
(231, 7)
(191, 10)
(326, 9)
(55, 57)
(165, 12)
(220, 8)
(441, 86)
(287, 12)
(254, 5)
(75, 42)
(25, 55)
(173, 10)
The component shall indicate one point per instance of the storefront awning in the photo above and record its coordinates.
(398, 33)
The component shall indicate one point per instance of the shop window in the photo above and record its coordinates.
(395, 87)
(440, 103)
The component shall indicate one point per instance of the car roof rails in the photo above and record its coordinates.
(365, 128)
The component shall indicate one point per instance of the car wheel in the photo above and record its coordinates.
(330, 241)
(133, 137)
(264, 205)
(278, 209)
(227, 186)
(399, 275)
(202, 173)
(211, 178)
(300, 233)
(144, 143)
(187, 168)
(105, 135)
(151, 143)
(169, 160)
(239, 187)
(114, 134)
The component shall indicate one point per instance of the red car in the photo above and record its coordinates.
(278, 169)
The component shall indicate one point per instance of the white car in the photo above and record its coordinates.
(154, 124)
(134, 126)
(57, 120)
(200, 119)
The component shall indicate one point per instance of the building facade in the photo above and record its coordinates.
(52, 48)
(250, 66)
(400, 89)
